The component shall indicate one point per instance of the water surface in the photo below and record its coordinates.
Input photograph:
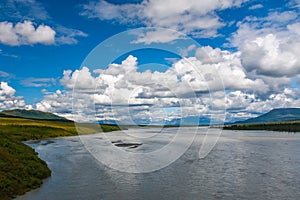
(242, 165)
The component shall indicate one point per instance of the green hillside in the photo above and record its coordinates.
(31, 114)
(20, 168)
(276, 115)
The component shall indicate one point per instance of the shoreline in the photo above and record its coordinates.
(291, 127)
(21, 168)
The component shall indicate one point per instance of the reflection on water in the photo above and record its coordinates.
(243, 165)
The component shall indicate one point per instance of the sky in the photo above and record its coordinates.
(150, 61)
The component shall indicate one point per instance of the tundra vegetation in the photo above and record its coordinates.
(21, 169)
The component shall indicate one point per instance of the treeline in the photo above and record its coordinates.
(280, 126)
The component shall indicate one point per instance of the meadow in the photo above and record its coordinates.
(21, 169)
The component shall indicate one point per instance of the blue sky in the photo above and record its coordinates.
(253, 45)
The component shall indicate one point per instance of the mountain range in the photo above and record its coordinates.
(275, 115)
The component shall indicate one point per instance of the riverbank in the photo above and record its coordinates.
(290, 126)
(21, 169)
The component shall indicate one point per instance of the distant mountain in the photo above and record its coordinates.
(275, 115)
(188, 121)
(31, 114)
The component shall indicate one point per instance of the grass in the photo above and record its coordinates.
(291, 126)
(20, 168)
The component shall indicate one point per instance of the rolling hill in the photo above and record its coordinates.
(282, 119)
(275, 115)
(32, 114)
(20, 168)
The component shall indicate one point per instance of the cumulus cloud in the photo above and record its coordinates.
(6, 90)
(228, 65)
(238, 100)
(190, 87)
(56, 100)
(288, 98)
(122, 93)
(8, 100)
(25, 33)
(243, 105)
(196, 18)
(269, 48)
(81, 79)
(270, 45)
(116, 92)
(32, 16)
(271, 56)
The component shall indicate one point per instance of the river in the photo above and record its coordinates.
(242, 165)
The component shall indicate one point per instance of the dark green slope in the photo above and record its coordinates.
(20, 168)
(31, 114)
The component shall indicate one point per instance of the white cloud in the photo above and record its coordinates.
(271, 56)
(229, 67)
(288, 98)
(123, 93)
(256, 6)
(294, 28)
(23, 9)
(81, 79)
(196, 18)
(281, 17)
(38, 82)
(189, 87)
(120, 85)
(294, 4)
(6, 90)
(2, 53)
(25, 33)
(242, 105)
(68, 35)
(276, 23)
(55, 100)
(8, 100)
(269, 48)
(106, 11)
(158, 36)
(4, 74)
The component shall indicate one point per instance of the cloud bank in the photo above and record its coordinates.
(120, 92)
(198, 19)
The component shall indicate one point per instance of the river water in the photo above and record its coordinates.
(242, 165)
